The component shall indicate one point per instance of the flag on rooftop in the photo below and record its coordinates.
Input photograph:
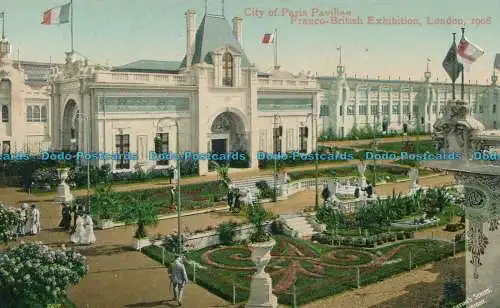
(268, 38)
(56, 16)
(451, 64)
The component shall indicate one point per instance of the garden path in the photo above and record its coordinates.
(122, 278)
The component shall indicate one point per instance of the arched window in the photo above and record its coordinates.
(29, 114)
(5, 114)
(44, 114)
(36, 114)
(227, 68)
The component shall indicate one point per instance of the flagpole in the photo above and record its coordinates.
(71, 27)
(462, 85)
(453, 79)
(276, 49)
(3, 24)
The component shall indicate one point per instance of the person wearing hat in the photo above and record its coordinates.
(178, 277)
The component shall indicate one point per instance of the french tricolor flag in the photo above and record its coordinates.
(268, 38)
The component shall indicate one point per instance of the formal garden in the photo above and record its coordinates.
(353, 251)
(33, 274)
(109, 204)
(380, 221)
(303, 270)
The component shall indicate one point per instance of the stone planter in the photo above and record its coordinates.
(105, 224)
(141, 243)
(261, 288)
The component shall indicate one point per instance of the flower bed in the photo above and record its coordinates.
(316, 270)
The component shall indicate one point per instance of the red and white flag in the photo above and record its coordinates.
(468, 53)
(268, 38)
(56, 16)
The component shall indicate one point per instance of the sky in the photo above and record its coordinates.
(122, 31)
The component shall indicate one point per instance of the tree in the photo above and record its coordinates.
(330, 217)
(104, 201)
(139, 209)
(10, 219)
(35, 275)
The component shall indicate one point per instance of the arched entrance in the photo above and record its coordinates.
(70, 125)
(228, 134)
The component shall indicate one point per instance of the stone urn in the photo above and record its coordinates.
(63, 174)
(261, 287)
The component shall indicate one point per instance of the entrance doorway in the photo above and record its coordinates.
(219, 146)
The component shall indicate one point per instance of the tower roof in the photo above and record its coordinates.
(214, 32)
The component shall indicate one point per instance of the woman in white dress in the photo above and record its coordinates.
(35, 220)
(88, 235)
(77, 236)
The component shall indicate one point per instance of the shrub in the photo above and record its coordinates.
(35, 275)
(277, 227)
(400, 236)
(171, 243)
(227, 231)
(9, 220)
(392, 237)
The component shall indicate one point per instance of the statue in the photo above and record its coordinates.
(413, 174)
(361, 173)
(63, 193)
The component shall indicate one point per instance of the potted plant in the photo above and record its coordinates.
(104, 206)
(261, 245)
(139, 209)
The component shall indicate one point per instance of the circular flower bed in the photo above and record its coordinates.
(348, 257)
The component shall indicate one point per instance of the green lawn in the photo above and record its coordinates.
(316, 270)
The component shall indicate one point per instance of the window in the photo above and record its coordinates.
(290, 135)
(278, 134)
(481, 109)
(385, 109)
(122, 147)
(395, 109)
(434, 109)
(5, 113)
(36, 113)
(350, 110)
(406, 109)
(441, 109)
(43, 116)
(304, 132)
(415, 108)
(341, 110)
(494, 108)
(373, 109)
(6, 147)
(494, 124)
(29, 114)
(161, 146)
(227, 67)
(363, 110)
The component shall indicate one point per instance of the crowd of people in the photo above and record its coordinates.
(30, 220)
(78, 224)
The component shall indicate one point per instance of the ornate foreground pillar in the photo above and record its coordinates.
(465, 148)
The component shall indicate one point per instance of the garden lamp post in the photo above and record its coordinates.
(314, 124)
(178, 184)
(277, 133)
(374, 146)
(84, 117)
